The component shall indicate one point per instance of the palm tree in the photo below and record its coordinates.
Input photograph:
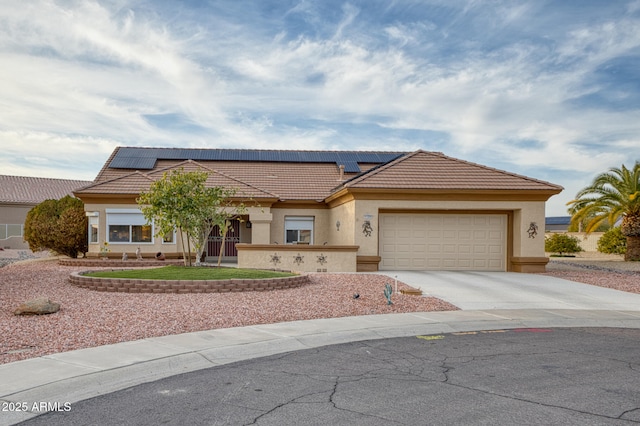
(611, 196)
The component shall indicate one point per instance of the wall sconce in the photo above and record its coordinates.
(337, 225)
(248, 225)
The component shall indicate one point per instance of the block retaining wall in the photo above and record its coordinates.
(117, 263)
(126, 285)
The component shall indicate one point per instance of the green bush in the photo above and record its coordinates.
(562, 244)
(613, 242)
(57, 225)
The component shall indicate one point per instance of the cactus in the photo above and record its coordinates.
(388, 291)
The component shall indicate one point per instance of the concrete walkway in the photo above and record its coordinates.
(489, 302)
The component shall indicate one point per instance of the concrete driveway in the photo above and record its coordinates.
(510, 290)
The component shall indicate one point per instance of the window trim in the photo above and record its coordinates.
(93, 220)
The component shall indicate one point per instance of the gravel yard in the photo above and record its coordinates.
(89, 318)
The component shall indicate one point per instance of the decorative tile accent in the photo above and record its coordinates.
(298, 259)
(275, 259)
(322, 259)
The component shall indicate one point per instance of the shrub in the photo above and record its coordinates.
(613, 242)
(57, 225)
(562, 244)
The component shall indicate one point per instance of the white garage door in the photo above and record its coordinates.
(473, 242)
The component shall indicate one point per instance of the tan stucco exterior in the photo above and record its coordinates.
(525, 253)
(346, 214)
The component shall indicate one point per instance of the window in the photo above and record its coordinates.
(8, 231)
(298, 229)
(128, 226)
(93, 227)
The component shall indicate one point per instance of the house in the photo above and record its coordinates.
(557, 223)
(336, 211)
(18, 195)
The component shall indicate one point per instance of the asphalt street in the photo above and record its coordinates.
(532, 376)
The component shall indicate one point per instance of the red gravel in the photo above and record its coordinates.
(88, 318)
(615, 280)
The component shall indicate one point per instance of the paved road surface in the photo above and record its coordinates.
(540, 376)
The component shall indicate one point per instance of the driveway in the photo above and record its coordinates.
(511, 290)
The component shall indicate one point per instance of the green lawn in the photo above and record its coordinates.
(189, 273)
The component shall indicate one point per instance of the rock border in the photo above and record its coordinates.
(128, 285)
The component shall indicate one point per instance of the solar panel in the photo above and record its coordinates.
(145, 158)
(351, 167)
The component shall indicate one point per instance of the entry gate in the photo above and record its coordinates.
(214, 242)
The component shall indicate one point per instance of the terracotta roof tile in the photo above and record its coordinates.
(34, 190)
(434, 170)
(316, 181)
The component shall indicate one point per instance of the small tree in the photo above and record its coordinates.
(181, 200)
(562, 244)
(57, 225)
(613, 242)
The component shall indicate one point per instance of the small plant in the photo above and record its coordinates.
(562, 244)
(104, 250)
(388, 291)
(613, 242)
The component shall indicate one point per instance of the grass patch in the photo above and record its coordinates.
(189, 273)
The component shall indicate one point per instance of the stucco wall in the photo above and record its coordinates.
(321, 232)
(14, 215)
(346, 234)
(524, 212)
(298, 258)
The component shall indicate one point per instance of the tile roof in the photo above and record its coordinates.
(34, 190)
(137, 181)
(286, 179)
(436, 171)
(315, 181)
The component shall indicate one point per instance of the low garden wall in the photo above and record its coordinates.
(126, 285)
(118, 263)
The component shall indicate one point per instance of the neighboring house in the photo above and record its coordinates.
(557, 223)
(18, 195)
(337, 211)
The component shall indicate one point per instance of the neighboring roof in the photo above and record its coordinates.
(434, 170)
(34, 190)
(557, 220)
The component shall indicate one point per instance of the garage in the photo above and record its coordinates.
(443, 241)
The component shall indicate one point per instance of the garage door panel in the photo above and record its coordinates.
(443, 241)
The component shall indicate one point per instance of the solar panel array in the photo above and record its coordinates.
(145, 158)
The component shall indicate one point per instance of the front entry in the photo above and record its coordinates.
(214, 242)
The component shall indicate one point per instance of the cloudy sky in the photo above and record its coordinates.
(548, 89)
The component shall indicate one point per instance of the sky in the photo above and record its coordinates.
(546, 89)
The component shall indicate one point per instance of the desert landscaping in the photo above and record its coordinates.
(90, 318)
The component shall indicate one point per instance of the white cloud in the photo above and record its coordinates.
(496, 81)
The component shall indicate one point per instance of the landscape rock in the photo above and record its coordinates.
(38, 306)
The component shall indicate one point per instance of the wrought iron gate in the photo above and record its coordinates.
(214, 242)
